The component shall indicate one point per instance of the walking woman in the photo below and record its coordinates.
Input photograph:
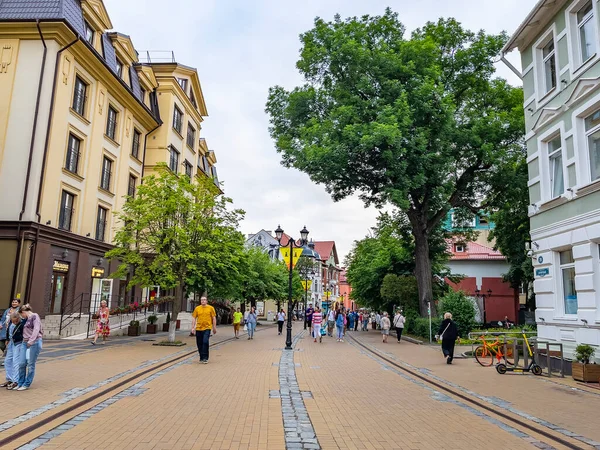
(32, 341)
(5, 323)
(13, 347)
(251, 322)
(280, 320)
(399, 324)
(385, 327)
(448, 333)
(340, 320)
(317, 320)
(103, 323)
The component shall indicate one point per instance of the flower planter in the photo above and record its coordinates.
(151, 328)
(588, 373)
(165, 327)
(133, 331)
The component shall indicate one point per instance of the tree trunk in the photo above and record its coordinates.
(423, 272)
(179, 297)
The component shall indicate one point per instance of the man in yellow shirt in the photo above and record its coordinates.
(205, 320)
(237, 320)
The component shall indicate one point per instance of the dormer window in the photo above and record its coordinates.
(459, 248)
(183, 83)
(89, 33)
(119, 69)
(193, 98)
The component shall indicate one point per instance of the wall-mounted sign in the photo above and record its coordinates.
(59, 266)
(542, 272)
(540, 259)
(97, 272)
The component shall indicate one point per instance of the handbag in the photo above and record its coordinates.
(442, 335)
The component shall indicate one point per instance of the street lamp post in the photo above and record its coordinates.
(291, 244)
(483, 296)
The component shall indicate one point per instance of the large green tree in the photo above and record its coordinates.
(509, 201)
(175, 232)
(416, 122)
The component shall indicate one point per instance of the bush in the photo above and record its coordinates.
(134, 323)
(152, 319)
(584, 352)
(462, 310)
(419, 326)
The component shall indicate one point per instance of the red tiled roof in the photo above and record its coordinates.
(474, 252)
(324, 248)
(285, 240)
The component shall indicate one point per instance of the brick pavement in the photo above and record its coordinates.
(353, 401)
(558, 401)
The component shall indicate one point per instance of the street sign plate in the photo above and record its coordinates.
(542, 272)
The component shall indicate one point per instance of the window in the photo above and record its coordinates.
(483, 220)
(459, 248)
(183, 83)
(111, 123)
(106, 173)
(191, 136)
(173, 159)
(585, 32)
(132, 185)
(135, 144)
(592, 129)
(143, 95)
(72, 161)
(177, 119)
(557, 180)
(462, 222)
(188, 169)
(549, 62)
(193, 98)
(101, 223)
(79, 96)
(67, 203)
(119, 69)
(89, 33)
(567, 269)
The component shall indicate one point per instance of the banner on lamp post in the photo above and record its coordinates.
(285, 252)
(306, 284)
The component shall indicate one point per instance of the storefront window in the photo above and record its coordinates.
(567, 268)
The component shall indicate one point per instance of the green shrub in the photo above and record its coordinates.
(419, 326)
(584, 352)
(462, 310)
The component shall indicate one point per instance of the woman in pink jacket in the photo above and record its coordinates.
(32, 344)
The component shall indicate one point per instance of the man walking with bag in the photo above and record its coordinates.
(204, 321)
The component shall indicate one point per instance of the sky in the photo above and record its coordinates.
(242, 48)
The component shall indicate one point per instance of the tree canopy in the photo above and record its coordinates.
(418, 122)
(177, 234)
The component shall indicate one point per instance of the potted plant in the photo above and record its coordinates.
(151, 327)
(134, 328)
(582, 370)
(166, 324)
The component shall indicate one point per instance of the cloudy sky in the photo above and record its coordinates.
(240, 49)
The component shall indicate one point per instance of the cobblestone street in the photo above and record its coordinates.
(256, 395)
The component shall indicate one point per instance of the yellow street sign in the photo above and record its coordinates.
(285, 252)
(306, 285)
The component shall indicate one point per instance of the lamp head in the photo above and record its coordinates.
(278, 233)
(304, 234)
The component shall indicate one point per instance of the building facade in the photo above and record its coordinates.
(82, 121)
(559, 44)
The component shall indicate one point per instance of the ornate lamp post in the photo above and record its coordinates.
(483, 296)
(291, 244)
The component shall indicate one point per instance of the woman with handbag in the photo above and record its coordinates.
(251, 323)
(103, 323)
(280, 320)
(30, 348)
(448, 334)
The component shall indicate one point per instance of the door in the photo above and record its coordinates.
(58, 291)
(101, 290)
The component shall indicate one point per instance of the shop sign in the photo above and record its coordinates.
(59, 266)
(97, 272)
(542, 272)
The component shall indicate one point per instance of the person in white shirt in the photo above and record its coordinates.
(280, 320)
(330, 322)
(399, 324)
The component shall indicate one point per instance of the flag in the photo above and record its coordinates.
(285, 252)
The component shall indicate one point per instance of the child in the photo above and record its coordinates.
(15, 343)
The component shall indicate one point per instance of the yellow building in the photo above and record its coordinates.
(82, 120)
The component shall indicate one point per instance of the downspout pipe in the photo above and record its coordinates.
(42, 174)
(18, 259)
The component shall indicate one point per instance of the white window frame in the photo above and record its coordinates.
(587, 155)
(545, 178)
(561, 288)
(576, 65)
(542, 94)
(557, 153)
(459, 246)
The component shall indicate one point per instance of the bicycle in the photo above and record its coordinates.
(484, 354)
